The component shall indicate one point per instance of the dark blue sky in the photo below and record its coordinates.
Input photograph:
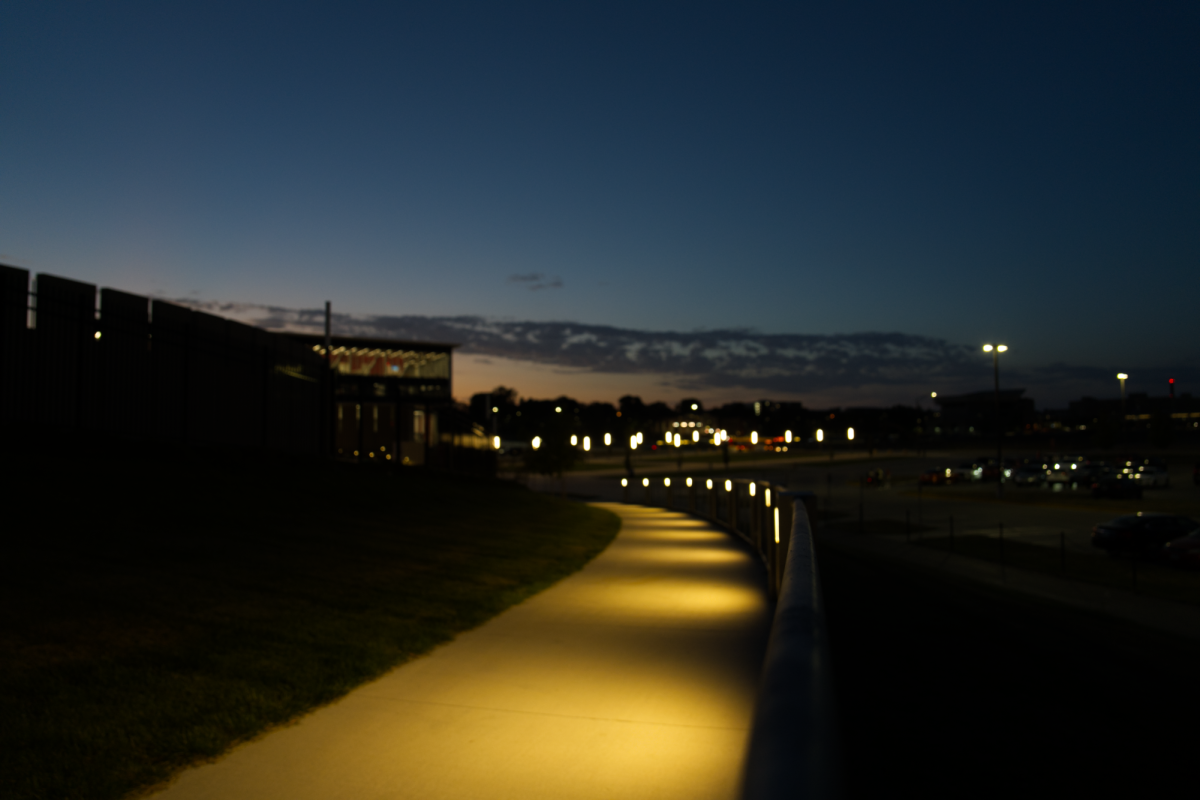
(1021, 172)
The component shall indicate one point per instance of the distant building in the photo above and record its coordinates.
(388, 395)
(976, 412)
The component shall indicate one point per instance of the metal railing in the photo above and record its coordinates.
(792, 750)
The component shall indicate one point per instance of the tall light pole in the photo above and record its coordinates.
(1122, 377)
(996, 351)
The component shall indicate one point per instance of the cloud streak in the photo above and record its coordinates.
(536, 280)
(891, 364)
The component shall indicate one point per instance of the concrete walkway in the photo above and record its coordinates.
(633, 678)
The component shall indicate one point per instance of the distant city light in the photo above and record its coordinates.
(752, 489)
(777, 526)
(1122, 376)
(689, 482)
(695, 436)
(753, 437)
(633, 443)
(820, 435)
(695, 407)
(1000, 348)
(987, 348)
(608, 440)
(850, 434)
(97, 334)
(639, 437)
(496, 442)
(587, 443)
(537, 442)
(729, 486)
(767, 498)
(558, 409)
(645, 481)
(787, 436)
(677, 440)
(933, 394)
(495, 410)
(574, 440)
(666, 481)
(624, 481)
(708, 484)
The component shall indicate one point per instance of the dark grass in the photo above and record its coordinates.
(1141, 575)
(881, 527)
(947, 689)
(152, 614)
(1177, 500)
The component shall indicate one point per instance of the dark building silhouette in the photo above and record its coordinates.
(976, 412)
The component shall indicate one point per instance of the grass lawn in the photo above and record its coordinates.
(153, 614)
(1148, 577)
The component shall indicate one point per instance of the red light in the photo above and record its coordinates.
(1170, 380)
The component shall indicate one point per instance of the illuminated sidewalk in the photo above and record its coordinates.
(633, 678)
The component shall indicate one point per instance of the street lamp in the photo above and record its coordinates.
(996, 351)
(1122, 377)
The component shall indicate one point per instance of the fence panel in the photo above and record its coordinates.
(121, 371)
(169, 330)
(66, 325)
(16, 390)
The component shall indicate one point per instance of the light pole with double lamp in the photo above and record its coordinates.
(996, 351)
(1122, 377)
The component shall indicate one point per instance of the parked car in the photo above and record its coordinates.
(1143, 533)
(1116, 487)
(1029, 475)
(876, 478)
(1184, 551)
(1061, 471)
(941, 477)
(1153, 475)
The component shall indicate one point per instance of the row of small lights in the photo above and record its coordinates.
(638, 438)
(728, 488)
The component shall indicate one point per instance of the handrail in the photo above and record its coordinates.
(793, 742)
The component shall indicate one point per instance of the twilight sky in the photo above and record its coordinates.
(830, 202)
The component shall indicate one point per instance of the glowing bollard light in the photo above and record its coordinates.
(787, 436)
(496, 442)
(633, 443)
(587, 443)
(677, 440)
(666, 481)
(752, 490)
(767, 499)
(777, 526)
(850, 434)
(574, 440)
(709, 485)
(537, 442)
(624, 482)
(646, 482)
(695, 436)
(820, 435)
(639, 437)
(689, 483)
(753, 437)
(729, 486)
(608, 440)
